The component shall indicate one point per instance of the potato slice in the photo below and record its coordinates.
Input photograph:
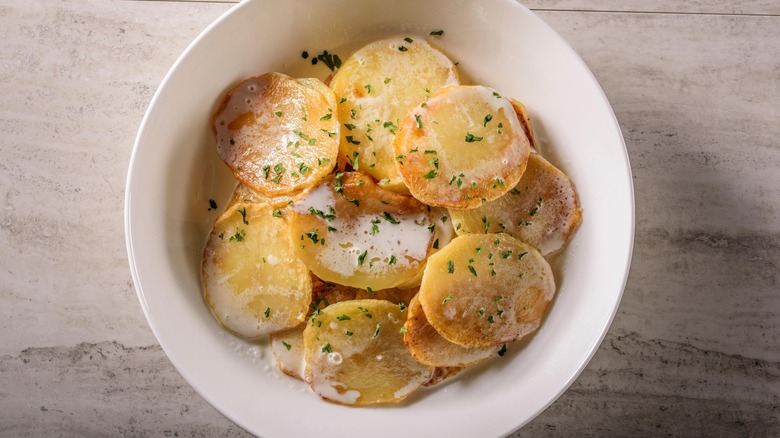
(429, 347)
(244, 194)
(278, 134)
(355, 354)
(541, 210)
(287, 345)
(461, 148)
(350, 231)
(252, 281)
(525, 121)
(377, 86)
(486, 289)
(441, 374)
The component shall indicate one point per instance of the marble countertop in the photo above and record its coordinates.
(693, 351)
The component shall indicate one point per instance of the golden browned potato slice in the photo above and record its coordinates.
(377, 86)
(486, 289)
(278, 134)
(252, 281)
(429, 347)
(355, 354)
(441, 374)
(461, 148)
(525, 121)
(541, 210)
(244, 194)
(350, 231)
(287, 345)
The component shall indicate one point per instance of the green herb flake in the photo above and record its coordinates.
(447, 298)
(239, 236)
(267, 312)
(403, 330)
(349, 333)
(488, 118)
(419, 121)
(349, 126)
(278, 113)
(389, 217)
(343, 318)
(472, 270)
(327, 348)
(376, 330)
(276, 213)
(408, 40)
(431, 174)
(368, 87)
(471, 138)
(402, 49)
(437, 33)
(362, 258)
(393, 260)
(450, 267)
(286, 345)
(243, 216)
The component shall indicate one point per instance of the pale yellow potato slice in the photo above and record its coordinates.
(486, 289)
(244, 194)
(541, 210)
(461, 148)
(429, 347)
(350, 231)
(277, 134)
(355, 354)
(287, 345)
(441, 374)
(252, 281)
(376, 87)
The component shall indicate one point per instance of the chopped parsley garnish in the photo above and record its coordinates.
(368, 87)
(497, 95)
(408, 40)
(431, 174)
(419, 121)
(276, 213)
(362, 257)
(326, 117)
(488, 118)
(351, 139)
(376, 330)
(472, 270)
(402, 48)
(389, 217)
(450, 267)
(403, 330)
(437, 33)
(331, 60)
(267, 312)
(520, 256)
(471, 138)
(392, 261)
(349, 126)
(239, 236)
(286, 345)
(327, 348)
(313, 235)
(447, 298)
(343, 318)
(243, 216)
(348, 333)
(375, 227)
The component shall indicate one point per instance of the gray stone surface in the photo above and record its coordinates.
(693, 350)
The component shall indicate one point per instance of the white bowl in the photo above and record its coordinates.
(174, 171)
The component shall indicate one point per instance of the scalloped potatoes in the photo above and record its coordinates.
(411, 261)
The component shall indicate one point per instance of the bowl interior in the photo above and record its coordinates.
(175, 171)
